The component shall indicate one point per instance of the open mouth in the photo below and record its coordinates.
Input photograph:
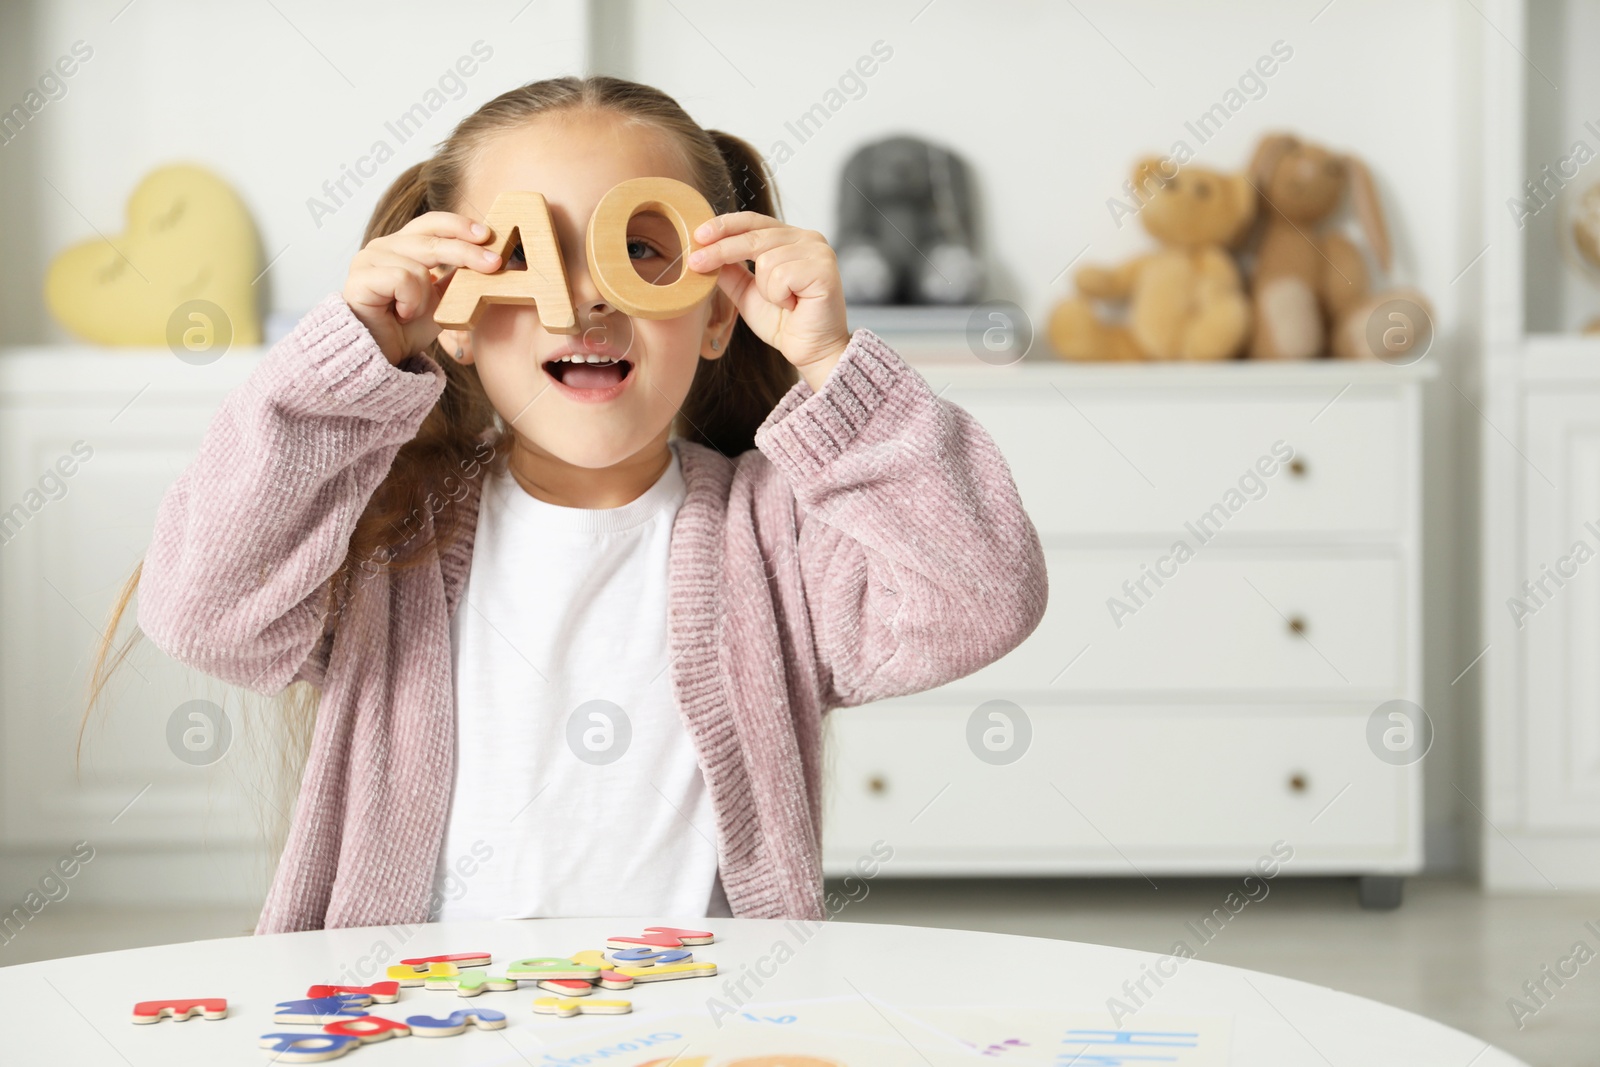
(588, 371)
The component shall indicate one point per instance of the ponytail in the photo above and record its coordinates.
(426, 469)
(752, 185)
(731, 397)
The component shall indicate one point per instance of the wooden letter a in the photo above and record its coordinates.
(543, 284)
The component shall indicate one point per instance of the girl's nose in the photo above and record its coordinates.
(587, 301)
(599, 323)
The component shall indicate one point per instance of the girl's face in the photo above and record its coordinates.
(588, 415)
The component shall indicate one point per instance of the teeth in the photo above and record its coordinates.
(589, 358)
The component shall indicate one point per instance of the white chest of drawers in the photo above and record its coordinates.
(1186, 707)
(163, 829)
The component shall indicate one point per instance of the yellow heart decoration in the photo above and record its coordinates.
(189, 239)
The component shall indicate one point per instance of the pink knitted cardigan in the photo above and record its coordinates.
(872, 544)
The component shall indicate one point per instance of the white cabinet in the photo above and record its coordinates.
(90, 440)
(1539, 812)
(1557, 611)
(1542, 627)
(1226, 703)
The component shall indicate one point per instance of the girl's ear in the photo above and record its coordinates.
(456, 344)
(719, 328)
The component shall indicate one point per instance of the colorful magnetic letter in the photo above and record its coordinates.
(462, 960)
(669, 971)
(568, 987)
(368, 1028)
(567, 1007)
(662, 937)
(645, 957)
(615, 980)
(542, 967)
(318, 1010)
(149, 1011)
(407, 974)
(469, 983)
(402, 975)
(382, 992)
(482, 1018)
(609, 979)
(688, 937)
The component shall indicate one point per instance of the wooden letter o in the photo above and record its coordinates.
(607, 247)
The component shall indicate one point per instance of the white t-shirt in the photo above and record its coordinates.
(578, 791)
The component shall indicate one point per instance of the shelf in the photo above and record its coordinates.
(885, 319)
(1042, 373)
(934, 340)
(36, 371)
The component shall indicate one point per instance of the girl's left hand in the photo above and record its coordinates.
(794, 301)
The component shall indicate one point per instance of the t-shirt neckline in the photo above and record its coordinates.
(666, 491)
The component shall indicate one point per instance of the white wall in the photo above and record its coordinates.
(1049, 102)
(275, 103)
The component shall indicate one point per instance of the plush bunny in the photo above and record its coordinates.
(907, 227)
(1310, 286)
(1185, 301)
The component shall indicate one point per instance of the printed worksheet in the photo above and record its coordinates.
(866, 1032)
(1080, 1039)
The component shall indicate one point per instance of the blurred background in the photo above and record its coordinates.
(1373, 662)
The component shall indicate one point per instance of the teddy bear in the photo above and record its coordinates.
(1310, 285)
(1184, 301)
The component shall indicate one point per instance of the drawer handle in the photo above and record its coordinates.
(1297, 625)
(1298, 782)
(1297, 467)
(877, 784)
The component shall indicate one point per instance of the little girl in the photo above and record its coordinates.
(576, 604)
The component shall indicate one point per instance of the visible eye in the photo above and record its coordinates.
(518, 261)
(645, 249)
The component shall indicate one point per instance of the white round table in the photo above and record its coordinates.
(850, 994)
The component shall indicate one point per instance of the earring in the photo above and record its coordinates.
(715, 344)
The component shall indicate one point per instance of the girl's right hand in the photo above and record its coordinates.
(392, 287)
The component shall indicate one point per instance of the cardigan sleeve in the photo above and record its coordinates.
(261, 517)
(918, 562)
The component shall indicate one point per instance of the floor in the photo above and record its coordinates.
(1449, 952)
